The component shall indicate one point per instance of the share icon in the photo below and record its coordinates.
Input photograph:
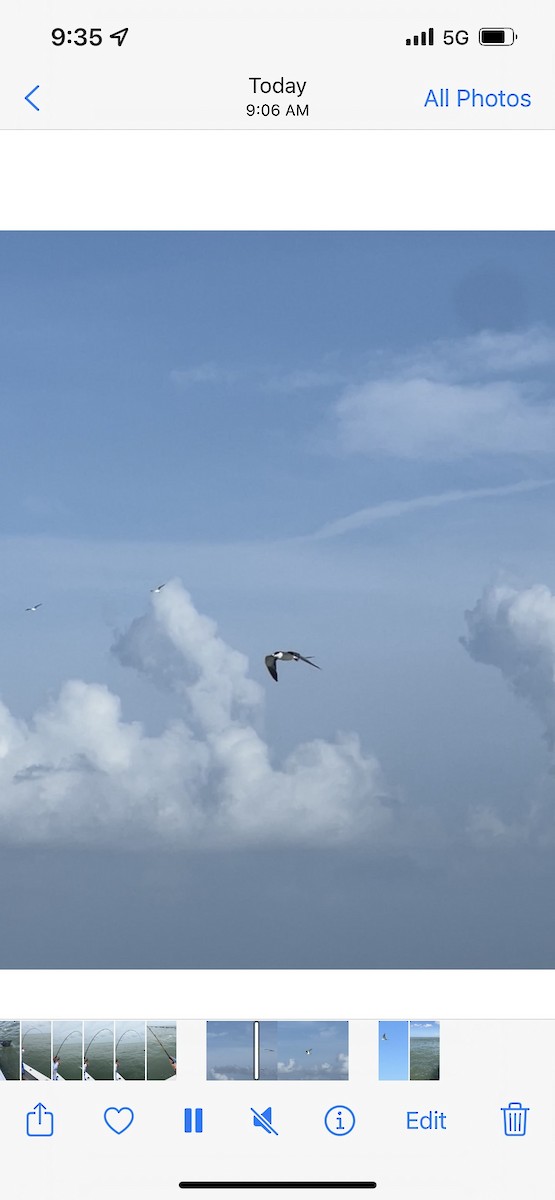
(264, 1120)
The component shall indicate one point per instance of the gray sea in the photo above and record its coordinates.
(67, 1043)
(130, 1049)
(99, 1048)
(36, 1043)
(10, 1059)
(424, 1058)
(158, 1064)
(139, 1049)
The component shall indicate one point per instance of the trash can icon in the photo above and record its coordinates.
(514, 1119)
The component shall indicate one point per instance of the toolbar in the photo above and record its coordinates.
(327, 1104)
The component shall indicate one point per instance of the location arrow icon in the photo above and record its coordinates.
(120, 35)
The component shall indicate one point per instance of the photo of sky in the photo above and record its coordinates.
(341, 444)
(307, 1050)
(409, 1050)
(229, 1050)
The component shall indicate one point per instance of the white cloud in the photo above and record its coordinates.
(488, 352)
(288, 1067)
(207, 372)
(298, 380)
(305, 380)
(79, 773)
(515, 631)
(481, 395)
(389, 509)
(487, 828)
(498, 352)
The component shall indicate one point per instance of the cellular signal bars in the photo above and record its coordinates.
(421, 39)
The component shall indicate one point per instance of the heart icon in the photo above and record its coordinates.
(118, 1119)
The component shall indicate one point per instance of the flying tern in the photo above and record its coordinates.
(33, 607)
(286, 656)
(159, 588)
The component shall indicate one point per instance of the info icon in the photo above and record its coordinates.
(339, 1120)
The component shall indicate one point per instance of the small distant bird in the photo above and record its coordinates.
(309, 1051)
(33, 607)
(286, 656)
(384, 1037)
(159, 588)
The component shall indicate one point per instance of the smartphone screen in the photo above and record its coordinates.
(278, 604)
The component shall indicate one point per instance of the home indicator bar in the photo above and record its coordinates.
(291, 1183)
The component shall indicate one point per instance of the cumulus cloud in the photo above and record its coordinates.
(79, 773)
(479, 395)
(514, 630)
(309, 1069)
(288, 1067)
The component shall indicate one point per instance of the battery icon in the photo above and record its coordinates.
(497, 37)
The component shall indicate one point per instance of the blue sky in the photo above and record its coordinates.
(424, 1029)
(309, 1050)
(338, 443)
(394, 1050)
(229, 1050)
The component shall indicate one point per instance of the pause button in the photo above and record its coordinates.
(193, 1120)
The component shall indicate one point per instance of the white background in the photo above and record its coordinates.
(277, 180)
(266, 995)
